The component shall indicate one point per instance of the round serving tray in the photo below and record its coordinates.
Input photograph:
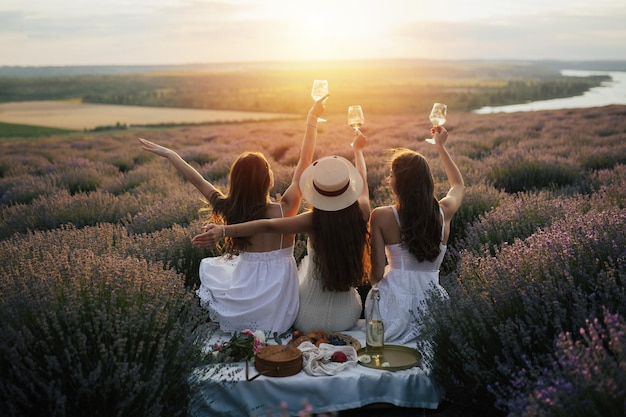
(398, 357)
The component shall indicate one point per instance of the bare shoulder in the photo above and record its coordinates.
(448, 211)
(382, 215)
(273, 210)
(383, 224)
(383, 210)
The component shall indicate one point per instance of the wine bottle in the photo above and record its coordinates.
(374, 333)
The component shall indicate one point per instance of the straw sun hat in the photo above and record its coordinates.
(331, 183)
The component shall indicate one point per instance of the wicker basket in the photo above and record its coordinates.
(319, 336)
(278, 360)
(346, 339)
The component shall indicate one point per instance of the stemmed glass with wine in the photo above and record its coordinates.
(437, 117)
(319, 90)
(355, 117)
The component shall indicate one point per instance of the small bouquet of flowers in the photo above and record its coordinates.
(241, 346)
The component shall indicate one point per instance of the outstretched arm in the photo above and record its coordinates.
(292, 196)
(452, 201)
(302, 223)
(205, 187)
(377, 245)
(359, 162)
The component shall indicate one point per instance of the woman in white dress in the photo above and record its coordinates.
(338, 258)
(258, 288)
(411, 236)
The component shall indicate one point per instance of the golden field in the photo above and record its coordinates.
(74, 115)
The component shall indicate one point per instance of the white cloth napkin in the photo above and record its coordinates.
(317, 360)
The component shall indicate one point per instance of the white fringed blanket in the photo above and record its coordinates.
(220, 390)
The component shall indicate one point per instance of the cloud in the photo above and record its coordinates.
(551, 36)
(11, 21)
(58, 32)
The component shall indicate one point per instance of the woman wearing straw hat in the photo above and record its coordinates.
(409, 238)
(338, 259)
(265, 261)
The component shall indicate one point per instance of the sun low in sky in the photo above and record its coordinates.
(129, 32)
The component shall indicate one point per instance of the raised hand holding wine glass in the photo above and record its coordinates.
(355, 117)
(318, 91)
(437, 117)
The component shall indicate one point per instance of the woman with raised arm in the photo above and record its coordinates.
(338, 259)
(411, 236)
(258, 289)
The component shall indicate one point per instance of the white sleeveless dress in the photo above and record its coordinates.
(333, 311)
(404, 289)
(255, 290)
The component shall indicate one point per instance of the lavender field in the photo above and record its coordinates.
(98, 314)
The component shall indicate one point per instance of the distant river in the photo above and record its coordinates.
(610, 92)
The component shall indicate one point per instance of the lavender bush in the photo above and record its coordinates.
(507, 310)
(479, 200)
(609, 186)
(22, 189)
(606, 157)
(588, 377)
(516, 217)
(525, 171)
(141, 213)
(94, 335)
(169, 247)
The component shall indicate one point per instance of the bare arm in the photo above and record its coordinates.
(377, 242)
(359, 162)
(293, 195)
(205, 187)
(452, 201)
(301, 223)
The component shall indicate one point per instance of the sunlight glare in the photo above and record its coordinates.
(332, 18)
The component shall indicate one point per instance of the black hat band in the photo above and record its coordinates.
(332, 193)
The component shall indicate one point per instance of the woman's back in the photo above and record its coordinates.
(265, 242)
(399, 257)
(409, 238)
(338, 258)
(259, 288)
(332, 311)
(406, 284)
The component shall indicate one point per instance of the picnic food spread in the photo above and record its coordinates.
(286, 360)
(319, 336)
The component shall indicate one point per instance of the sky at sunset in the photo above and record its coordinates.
(137, 32)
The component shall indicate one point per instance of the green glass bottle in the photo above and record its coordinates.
(374, 333)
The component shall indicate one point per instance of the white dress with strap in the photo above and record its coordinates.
(333, 311)
(403, 290)
(255, 290)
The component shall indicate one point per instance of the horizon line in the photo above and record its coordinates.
(321, 62)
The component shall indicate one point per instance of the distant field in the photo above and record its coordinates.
(24, 131)
(77, 116)
(402, 87)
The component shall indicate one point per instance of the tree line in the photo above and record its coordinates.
(380, 90)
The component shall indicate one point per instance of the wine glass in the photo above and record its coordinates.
(319, 90)
(437, 117)
(355, 117)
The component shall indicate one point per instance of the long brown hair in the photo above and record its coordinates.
(249, 182)
(340, 241)
(418, 208)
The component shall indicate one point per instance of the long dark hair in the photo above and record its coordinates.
(249, 182)
(341, 242)
(418, 208)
